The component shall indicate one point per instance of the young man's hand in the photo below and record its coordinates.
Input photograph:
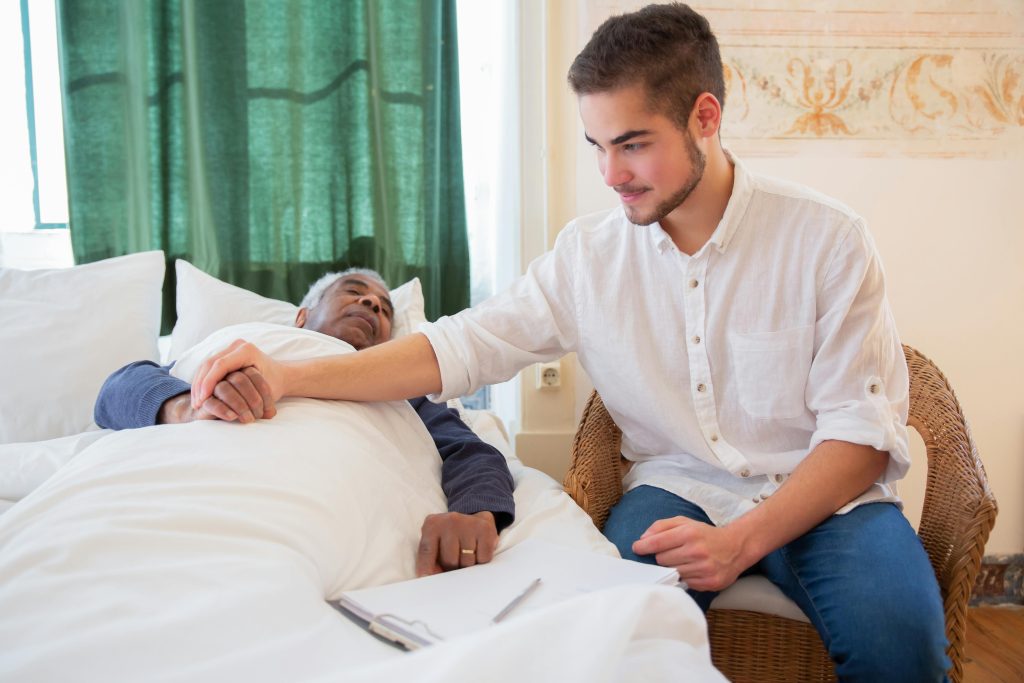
(708, 558)
(239, 356)
(244, 395)
(452, 540)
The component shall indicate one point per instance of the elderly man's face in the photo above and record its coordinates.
(355, 309)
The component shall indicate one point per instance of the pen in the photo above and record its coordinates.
(516, 600)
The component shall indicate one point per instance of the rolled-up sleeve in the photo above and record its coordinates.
(858, 383)
(533, 321)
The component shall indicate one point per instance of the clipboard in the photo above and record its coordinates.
(390, 629)
(420, 612)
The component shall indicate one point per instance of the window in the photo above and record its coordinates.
(33, 189)
(489, 96)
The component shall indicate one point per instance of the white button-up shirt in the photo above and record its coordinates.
(723, 369)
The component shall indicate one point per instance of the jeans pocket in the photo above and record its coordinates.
(771, 371)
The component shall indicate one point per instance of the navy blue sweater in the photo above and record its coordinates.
(474, 474)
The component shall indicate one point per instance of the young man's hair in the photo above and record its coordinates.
(318, 288)
(668, 49)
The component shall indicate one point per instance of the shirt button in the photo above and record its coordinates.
(696, 340)
(756, 499)
(714, 437)
(873, 388)
(693, 284)
(701, 387)
(745, 473)
(778, 478)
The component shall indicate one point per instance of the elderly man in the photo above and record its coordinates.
(354, 307)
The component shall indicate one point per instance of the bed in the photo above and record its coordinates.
(208, 551)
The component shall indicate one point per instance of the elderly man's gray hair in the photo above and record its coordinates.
(317, 289)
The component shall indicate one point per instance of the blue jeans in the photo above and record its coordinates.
(863, 579)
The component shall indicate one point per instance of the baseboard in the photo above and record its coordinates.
(1000, 581)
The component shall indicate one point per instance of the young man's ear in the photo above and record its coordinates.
(300, 317)
(707, 113)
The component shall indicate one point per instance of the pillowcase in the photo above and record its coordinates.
(64, 331)
(206, 304)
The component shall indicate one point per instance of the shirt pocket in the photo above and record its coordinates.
(771, 371)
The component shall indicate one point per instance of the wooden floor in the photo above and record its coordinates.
(995, 644)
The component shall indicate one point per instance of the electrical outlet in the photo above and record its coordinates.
(549, 375)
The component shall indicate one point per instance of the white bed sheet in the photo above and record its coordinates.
(206, 552)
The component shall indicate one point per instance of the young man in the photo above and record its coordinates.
(736, 327)
(354, 307)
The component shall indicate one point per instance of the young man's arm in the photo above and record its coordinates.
(143, 393)
(399, 369)
(479, 486)
(534, 320)
(712, 558)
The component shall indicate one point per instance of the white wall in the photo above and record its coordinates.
(951, 235)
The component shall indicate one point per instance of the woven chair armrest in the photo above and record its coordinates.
(594, 479)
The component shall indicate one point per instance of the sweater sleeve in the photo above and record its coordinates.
(132, 396)
(474, 474)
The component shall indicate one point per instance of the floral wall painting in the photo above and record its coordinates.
(938, 78)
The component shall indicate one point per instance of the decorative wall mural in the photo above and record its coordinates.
(941, 78)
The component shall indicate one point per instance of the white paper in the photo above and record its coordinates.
(446, 605)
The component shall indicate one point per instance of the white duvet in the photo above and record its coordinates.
(206, 551)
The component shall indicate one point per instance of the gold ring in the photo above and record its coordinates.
(468, 551)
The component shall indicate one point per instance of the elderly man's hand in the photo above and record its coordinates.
(446, 539)
(244, 395)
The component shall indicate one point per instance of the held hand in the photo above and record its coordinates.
(708, 558)
(237, 357)
(178, 410)
(445, 537)
(244, 396)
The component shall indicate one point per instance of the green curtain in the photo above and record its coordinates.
(268, 141)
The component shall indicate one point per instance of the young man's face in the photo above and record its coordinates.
(355, 309)
(643, 156)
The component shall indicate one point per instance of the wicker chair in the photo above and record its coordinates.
(958, 514)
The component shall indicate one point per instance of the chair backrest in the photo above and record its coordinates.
(959, 508)
(958, 501)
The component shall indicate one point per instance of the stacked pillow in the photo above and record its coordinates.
(64, 331)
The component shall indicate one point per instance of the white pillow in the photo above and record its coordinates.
(64, 331)
(206, 304)
(409, 308)
(25, 466)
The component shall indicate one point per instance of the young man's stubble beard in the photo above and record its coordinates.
(698, 161)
